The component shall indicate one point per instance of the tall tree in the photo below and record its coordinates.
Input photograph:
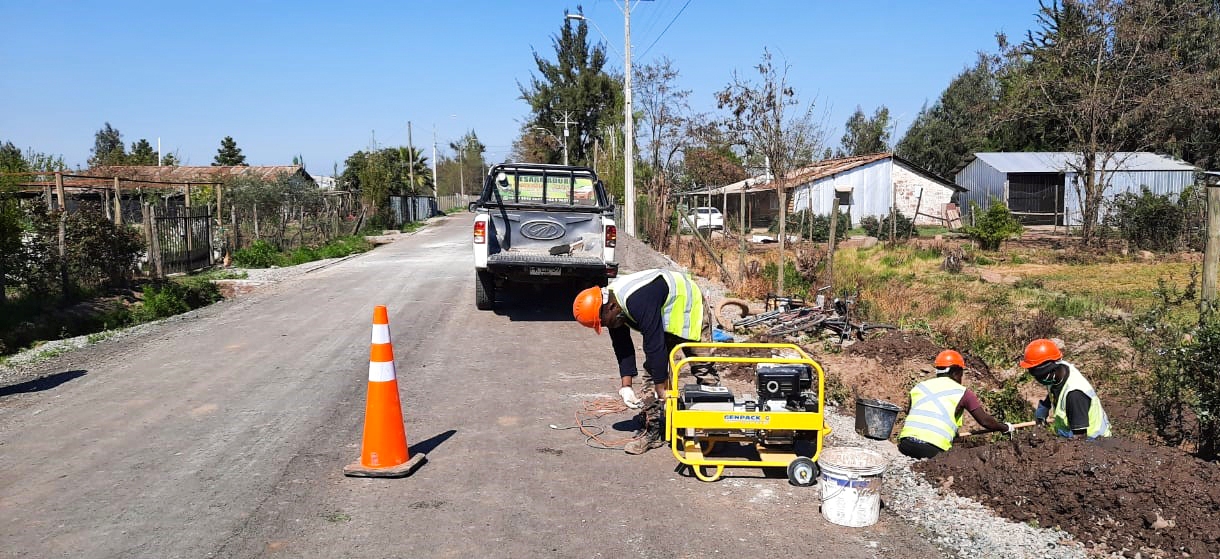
(1079, 70)
(576, 85)
(463, 173)
(170, 159)
(228, 154)
(142, 153)
(385, 172)
(760, 119)
(108, 147)
(664, 109)
(866, 135)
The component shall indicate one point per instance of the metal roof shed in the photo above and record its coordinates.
(1044, 187)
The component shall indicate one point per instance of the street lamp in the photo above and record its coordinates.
(565, 142)
(628, 122)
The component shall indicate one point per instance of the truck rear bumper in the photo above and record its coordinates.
(534, 268)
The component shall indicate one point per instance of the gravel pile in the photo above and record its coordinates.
(957, 525)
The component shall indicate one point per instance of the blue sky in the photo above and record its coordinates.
(321, 79)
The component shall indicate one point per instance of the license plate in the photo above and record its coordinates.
(540, 271)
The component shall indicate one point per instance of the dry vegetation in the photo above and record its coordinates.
(990, 308)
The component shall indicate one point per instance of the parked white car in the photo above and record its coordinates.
(707, 218)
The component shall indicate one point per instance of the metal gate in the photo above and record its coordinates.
(1036, 198)
(183, 238)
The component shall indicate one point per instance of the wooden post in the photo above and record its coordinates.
(148, 236)
(741, 254)
(155, 247)
(830, 243)
(46, 194)
(59, 192)
(220, 218)
(63, 234)
(918, 203)
(1211, 253)
(118, 202)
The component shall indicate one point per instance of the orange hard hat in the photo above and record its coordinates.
(1040, 351)
(587, 308)
(948, 358)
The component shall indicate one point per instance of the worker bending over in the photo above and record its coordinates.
(1076, 408)
(938, 406)
(667, 309)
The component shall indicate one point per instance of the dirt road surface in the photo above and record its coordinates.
(223, 434)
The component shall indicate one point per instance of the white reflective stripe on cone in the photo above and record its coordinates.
(381, 371)
(381, 333)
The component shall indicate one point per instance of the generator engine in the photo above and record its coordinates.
(785, 388)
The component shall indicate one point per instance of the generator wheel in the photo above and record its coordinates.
(715, 475)
(803, 472)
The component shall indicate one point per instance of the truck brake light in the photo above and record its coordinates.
(480, 232)
(611, 236)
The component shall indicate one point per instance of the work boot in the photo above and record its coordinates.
(652, 436)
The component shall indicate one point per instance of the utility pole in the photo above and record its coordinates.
(629, 155)
(434, 182)
(1211, 251)
(411, 155)
(567, 119)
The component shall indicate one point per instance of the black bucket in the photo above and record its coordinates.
(875, 418)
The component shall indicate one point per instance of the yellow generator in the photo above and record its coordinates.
(782, 426)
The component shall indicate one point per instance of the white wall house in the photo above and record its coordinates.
(875, 183)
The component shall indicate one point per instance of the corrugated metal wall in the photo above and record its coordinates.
(1161, 183)
(871, 191)
(982, 183)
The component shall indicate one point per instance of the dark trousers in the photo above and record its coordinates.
(916, 448)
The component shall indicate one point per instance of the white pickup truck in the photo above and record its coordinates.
(539, 223)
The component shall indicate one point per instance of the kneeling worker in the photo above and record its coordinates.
(1077, 409)
(667, 308)
(938, 406)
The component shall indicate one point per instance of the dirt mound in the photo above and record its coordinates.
(895, 347)
(1114, 494)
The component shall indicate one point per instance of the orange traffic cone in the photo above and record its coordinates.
(383, 452)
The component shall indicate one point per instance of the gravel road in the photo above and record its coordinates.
(221, 433)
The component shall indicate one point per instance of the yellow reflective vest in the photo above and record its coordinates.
(1099, 423)
(682, 314)
(932, 418)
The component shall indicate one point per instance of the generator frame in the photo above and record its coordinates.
(690, 450)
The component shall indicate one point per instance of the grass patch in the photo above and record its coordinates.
(264, 255)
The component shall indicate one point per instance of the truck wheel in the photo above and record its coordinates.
(484, 291)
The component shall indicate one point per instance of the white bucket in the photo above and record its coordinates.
(851, 485)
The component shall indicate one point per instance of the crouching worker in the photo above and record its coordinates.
(938, 406)
(1070, 398)
(667, 309)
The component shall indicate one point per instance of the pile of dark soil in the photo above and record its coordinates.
(1114, 494)
(892, 348)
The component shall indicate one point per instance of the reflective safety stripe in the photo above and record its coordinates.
(1099, 422)
(381, 333)
(381, 371)
(932, 418)
(682, 312)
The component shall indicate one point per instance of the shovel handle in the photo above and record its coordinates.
(1015, 426)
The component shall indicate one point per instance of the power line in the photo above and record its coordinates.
(671, 22)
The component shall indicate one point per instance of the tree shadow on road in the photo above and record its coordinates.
(40, 384)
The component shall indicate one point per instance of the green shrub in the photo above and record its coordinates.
(261, 254)
(794, 283)
(880, 228)
(1146, 220)
(169, 298)
(814, 227)
(993, 227)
